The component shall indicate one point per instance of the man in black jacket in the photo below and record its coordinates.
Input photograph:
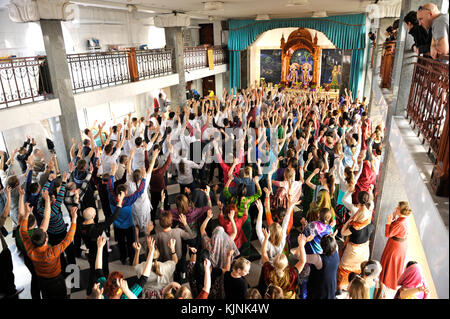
(422, 38)
(23, 155)
(89, 233)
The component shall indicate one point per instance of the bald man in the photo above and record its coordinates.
(89, 233)
(429, 16)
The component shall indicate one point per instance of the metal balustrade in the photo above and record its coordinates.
(154, 63)
(90, 71)
(23, 80)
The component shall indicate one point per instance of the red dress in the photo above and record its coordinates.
(226, 224)
(394, 254)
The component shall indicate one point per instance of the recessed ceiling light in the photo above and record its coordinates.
(319, 14)
(293, 3)
(262, 17)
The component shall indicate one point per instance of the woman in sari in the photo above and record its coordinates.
(394, 254)
(412, 283)
(358, 229)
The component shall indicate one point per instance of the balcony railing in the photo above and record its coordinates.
(154, 63)
(23, 80)
(90, 71)
(387, 64)
(427, 110)
(197, 57)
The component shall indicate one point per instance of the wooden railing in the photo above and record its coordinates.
(387, 64)
(427, 110)
(23, 80)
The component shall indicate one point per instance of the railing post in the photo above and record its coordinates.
(132, 65)
(439, 176)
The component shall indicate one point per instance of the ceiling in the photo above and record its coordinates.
(250, 8)
(238, 9)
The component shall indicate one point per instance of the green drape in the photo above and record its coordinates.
(347, 32)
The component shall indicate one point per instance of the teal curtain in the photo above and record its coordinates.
(356, 71)
(235, 69)
(347, 32)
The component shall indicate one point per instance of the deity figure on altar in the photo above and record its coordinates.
(335, 77)
(305, 77)
(293, 76)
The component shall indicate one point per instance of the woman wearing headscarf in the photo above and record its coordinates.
(412, 283)
(366, 179)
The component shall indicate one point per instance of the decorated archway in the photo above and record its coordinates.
(347, 32)
(298, 40)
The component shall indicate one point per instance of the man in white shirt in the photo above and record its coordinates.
(109, 156)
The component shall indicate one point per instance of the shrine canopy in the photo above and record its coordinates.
(347, 32)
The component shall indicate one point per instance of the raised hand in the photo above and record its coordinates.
(8, 191)
(301, 240)
(193, 250)
(98, 293)
(101, 241)
(45, 195)
(183, 219)
(73, 212)
(266, 233)
(137, 246)
(71, 167)
(150, 244)
(171, 244)
(389, 219)
(259, 205)
(209, 214)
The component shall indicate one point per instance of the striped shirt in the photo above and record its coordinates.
(56, 224)
(46, 259)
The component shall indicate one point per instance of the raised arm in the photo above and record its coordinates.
(310, 177)
(47, 211)
(101, 241)
(264, 257)
(209, 216)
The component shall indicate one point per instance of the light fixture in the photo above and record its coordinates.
(319, 14)
(293, 3)
(213, 5)
(262, 17)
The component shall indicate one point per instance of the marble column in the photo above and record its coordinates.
(174, 41)
(217, 30)
(50, 13)
(64, 127)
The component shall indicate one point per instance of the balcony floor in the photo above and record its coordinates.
(419, 153)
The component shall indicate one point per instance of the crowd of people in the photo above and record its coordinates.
(265, 157)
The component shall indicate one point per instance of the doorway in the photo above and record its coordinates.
(209, 84)
(206, 34)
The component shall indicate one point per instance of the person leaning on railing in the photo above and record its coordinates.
(429, 16)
